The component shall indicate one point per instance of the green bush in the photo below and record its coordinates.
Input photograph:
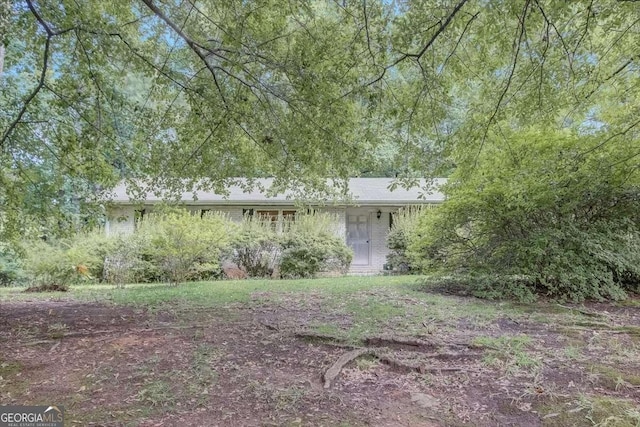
(307, 255)
(298, 247)
(539, 209)
(184, 246)
(89, 249)
(11, 272)
(404, 227)
(56, 265)
(125, 263)
(255, 247)
(310, 245)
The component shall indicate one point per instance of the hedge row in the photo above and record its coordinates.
(175, 246)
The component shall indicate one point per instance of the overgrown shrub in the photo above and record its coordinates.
(11, 272)
(311, 245)
(403, 228)
(298, 247)
(184, 246)
(542, 210)
(124, 262)
(56, 265)
(256, 247)
(89, 249)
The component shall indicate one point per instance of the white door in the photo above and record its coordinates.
(358, 238)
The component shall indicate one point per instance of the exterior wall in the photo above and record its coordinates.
(340, 220)
(120, 220)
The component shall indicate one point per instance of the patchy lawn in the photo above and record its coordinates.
(254, 353)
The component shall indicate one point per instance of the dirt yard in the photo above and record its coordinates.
(427, 360)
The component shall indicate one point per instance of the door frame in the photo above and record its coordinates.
(370, 246)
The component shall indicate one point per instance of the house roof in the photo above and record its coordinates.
(362, 191)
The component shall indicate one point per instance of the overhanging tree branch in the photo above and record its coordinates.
(509, 79)
(43, 73)
(615, 135)
(442, 25)
(197, 48)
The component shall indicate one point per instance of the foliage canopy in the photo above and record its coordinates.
(185, 93)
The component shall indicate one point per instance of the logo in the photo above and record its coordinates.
(31, 416)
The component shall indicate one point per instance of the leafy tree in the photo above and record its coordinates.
(176, 93)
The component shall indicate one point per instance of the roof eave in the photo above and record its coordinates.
(279, 202)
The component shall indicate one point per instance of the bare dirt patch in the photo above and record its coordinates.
(265, 363)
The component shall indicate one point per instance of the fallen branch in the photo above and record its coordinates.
(399, 342)
(592, 324)
(408, 368)
(410, 344)
(323, 338)
(56, 345)
(336, 368)
(332, 373)
(630, 332)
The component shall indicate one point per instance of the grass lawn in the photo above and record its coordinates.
(254, 352)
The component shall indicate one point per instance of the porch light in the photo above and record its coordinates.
(378, 214)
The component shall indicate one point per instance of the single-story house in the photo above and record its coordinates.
(365, 217)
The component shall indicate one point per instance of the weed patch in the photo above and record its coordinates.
(509, 352)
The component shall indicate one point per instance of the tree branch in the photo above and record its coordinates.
(559, 34)
(442, 26)
(195, 47)
(509, 79)
(43, 74)
(36, 90)
(366, 29)
(464, 31)
(615, 135)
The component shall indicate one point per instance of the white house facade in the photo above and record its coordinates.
(364, 221)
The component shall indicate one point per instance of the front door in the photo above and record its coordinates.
(358, 238)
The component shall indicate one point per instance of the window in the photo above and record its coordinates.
(277, 218)
(268, 215)
(138, 216)
(289, 215)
